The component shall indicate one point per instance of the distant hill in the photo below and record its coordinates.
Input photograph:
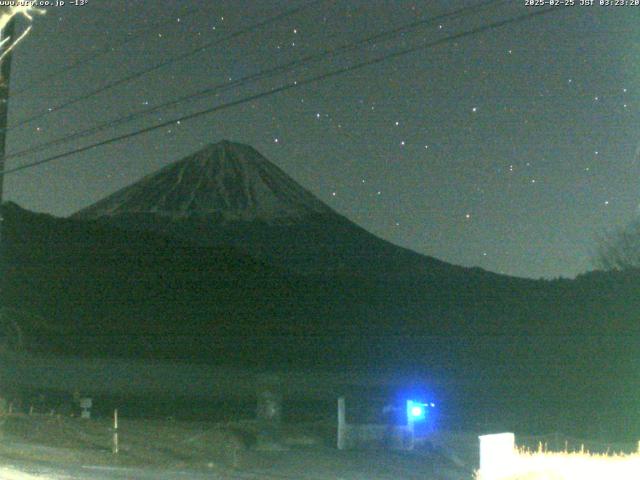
(94, 284)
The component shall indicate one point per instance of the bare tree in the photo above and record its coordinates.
(619, 249)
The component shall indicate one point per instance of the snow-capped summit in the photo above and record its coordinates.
(227, 194)
(227, 181)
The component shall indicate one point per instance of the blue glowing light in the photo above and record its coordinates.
(416, 411)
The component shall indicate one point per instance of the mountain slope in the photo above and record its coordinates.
(88, 280)
(229, 194)
(227, 182)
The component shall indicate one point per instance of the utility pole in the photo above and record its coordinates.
(5, 74)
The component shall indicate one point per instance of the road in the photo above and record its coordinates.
(17, 471)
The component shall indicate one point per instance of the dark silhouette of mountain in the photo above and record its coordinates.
(95, 281)
(90, 279)
(91, 283)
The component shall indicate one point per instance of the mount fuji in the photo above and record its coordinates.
(225, 182)
(229, 194)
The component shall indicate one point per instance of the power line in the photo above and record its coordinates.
(258, 76)
(288, 86)
(165, 63)
(107, 49)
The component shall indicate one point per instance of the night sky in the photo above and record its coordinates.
(511, 149)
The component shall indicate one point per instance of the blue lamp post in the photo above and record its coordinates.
(418, 412)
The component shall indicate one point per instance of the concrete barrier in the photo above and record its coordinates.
(497, 455)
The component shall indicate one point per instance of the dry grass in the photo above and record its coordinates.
(540, 465)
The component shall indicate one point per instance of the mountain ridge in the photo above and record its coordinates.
(294, 230)
(229, 181)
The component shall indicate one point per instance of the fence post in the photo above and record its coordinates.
(342, 424)
(115, 447)
(269, 409)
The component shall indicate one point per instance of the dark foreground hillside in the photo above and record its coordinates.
(496, 348)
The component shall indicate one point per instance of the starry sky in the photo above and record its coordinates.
(511, 149)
